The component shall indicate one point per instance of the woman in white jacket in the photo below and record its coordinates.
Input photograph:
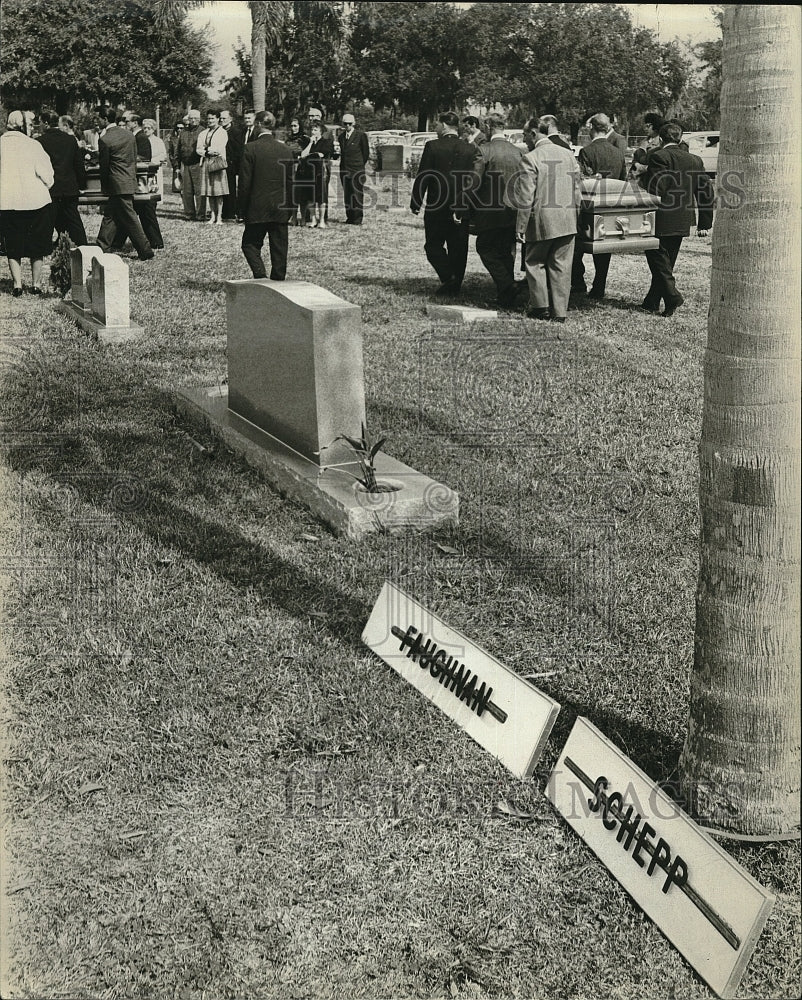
(212, 151)
(26, 220)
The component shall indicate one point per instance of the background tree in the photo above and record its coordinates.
(572, 59)
(741, 760)
(115, 56)
(410, 55)
(269, 22)
(710, 55)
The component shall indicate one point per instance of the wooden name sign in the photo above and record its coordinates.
(710, 909)
(504, 713)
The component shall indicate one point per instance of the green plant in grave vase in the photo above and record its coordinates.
(366, 451)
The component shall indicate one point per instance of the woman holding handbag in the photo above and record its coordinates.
(212, 151)
(312, 171)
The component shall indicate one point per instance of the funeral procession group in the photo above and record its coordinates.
(472, 180)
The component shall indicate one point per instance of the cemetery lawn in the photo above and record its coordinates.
(212, 788)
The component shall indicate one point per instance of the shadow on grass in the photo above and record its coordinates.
(148, 507)
(211, 285)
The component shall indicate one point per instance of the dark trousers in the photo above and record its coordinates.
(601, 261)
(326, 179)
(661, 263)
(146, 210)
(278, 236)
(120, 219)
(67, 219)
(446, 246)
(496, 249)
(353, 182)
(230, 200)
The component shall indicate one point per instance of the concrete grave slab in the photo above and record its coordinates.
(295, 385)
(420, 504)
(459, 314)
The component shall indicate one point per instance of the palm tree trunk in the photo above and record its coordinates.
(258, 52)
(741, 760)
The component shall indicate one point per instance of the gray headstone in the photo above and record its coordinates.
(109, 287)
(295, 364)
(80, 269)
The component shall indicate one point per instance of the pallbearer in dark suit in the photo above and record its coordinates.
(69, 177)
(117, 161)
(354, 154)
(679, 179)
(236, 140)
(444, 174)
(494, 166)
(600, 158)
(265, 200)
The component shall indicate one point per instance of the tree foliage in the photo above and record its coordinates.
(89, 51)
(411, 55)
(566, 59)
(573, 59)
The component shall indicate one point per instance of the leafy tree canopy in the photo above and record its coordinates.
(566, 59)
(409, 54)
(86, 51)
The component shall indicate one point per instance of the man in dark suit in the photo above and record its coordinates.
(494, 166)
(69, 177)
(679, 179)
(234, 144)
(444, 173)
(265, 200)
(117, 160)
(600, 158)
(354, 154)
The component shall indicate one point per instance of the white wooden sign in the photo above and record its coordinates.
(504, 713)
(707, 906)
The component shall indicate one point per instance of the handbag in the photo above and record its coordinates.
(215, 162)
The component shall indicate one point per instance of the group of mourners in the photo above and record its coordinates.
(508, 197)
(471, 178)
(44, 170)
(207, 164)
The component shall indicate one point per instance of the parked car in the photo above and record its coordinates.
(704, 144)
(419, 139)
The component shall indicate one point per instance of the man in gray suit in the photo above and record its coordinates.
(117, 159)
(494, 166)
(545, 194)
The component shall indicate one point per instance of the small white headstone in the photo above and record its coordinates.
(80, 270)
(109, 285)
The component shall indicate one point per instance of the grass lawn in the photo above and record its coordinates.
(212, 789)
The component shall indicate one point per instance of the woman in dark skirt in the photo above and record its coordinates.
(26, 221)
(312, 175)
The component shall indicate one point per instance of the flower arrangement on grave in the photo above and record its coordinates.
(60, 267)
